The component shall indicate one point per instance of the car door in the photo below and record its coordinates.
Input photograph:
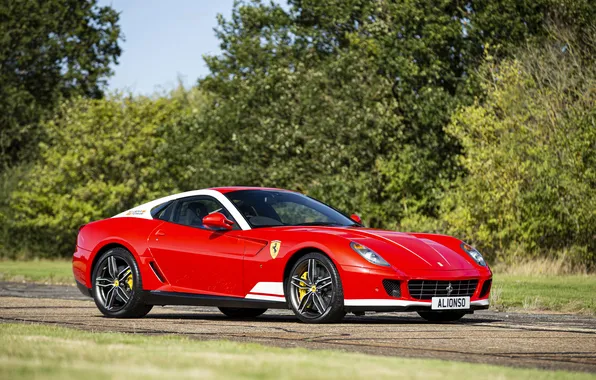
(194, 258)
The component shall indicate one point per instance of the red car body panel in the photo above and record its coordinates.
(180, 259)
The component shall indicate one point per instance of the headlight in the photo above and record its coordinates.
(368, 254)
(473, 252)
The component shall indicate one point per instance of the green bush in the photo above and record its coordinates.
(530, 156)
(102, 157)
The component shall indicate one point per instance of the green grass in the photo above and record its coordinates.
(44, 271)
(37, 351)
(559, 293)
(553, 293)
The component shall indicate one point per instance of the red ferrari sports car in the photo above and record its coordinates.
(245, 250)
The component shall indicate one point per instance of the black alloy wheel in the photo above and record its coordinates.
(314, 290)
(117, 287)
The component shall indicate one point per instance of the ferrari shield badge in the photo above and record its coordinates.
(274, 248)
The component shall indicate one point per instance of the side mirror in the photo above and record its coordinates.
(356, 218)
(218, 221)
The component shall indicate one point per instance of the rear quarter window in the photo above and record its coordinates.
(163, 211)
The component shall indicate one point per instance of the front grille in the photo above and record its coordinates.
(392, 288)
(485, 288)
(427, 289)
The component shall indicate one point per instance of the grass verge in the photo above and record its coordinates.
(563, 293)
(36, 351)
(43, 271)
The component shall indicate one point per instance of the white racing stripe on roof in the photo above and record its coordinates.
(144, 211)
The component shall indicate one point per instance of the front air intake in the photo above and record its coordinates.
(427, 289)
(392, 287)
(486, 288)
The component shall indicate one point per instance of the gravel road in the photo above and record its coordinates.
(564, 342)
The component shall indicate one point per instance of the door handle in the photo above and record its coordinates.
(160, 233)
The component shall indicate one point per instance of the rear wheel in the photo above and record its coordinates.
(441, 316)
(314, 290)
(117, 288)
(236, 312)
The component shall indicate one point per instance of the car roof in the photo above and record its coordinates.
(229, 189)
(144, 210)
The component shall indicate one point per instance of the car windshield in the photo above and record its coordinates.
(268, 208)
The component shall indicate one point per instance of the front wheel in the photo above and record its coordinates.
(117, 288)
(314, 290)
(441, 316)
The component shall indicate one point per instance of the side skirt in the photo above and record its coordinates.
(189, 299)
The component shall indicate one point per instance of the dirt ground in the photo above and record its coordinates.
(563, 342)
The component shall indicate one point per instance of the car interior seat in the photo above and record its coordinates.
(196, 212)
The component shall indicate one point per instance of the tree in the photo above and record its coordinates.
(102, 156)
(49, 50)
(348, 100)
(530, 154)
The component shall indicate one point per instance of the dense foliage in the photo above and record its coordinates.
(530, 155)
(475, 119)
(49, 50)
(347, 100)
(101, 157)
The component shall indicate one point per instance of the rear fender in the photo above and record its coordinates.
(107, 233)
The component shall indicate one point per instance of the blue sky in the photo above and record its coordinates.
(164, 40)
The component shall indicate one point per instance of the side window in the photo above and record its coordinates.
(163, 211)
(191, 211)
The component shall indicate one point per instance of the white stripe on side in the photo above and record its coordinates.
(383, 302)
(265, 298)
(276, 288)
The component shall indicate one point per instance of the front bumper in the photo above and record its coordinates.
(382, 305)
(364, 290)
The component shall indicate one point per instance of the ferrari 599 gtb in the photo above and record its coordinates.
(246, 250)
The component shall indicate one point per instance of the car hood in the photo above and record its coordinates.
(407, 251)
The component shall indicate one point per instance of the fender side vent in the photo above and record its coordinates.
(156, 272)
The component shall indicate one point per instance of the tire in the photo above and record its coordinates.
(236, 312)
(442, 316)
(321, 301)
(118, 299)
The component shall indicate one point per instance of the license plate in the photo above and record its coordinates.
(450, 303)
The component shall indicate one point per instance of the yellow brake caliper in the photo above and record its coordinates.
(302, 292)
(129, 281)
